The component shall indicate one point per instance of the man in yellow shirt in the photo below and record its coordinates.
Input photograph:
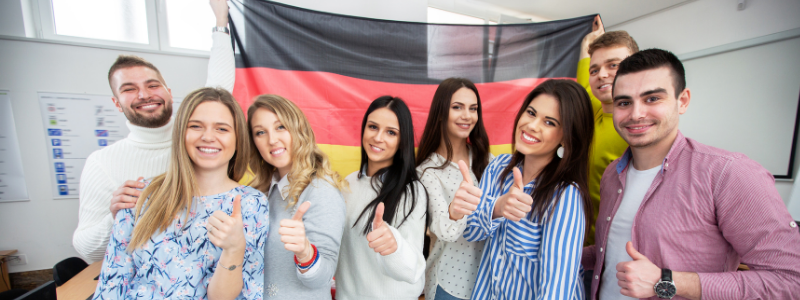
(601, 53)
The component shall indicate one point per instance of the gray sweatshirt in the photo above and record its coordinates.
(324, 224)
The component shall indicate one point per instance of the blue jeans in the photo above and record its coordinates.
(442, 295)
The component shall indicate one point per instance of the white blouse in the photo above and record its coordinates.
(453, 261)
(366, 275)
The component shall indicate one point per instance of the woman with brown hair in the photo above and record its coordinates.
(454, 134)
(534, 205)
(198, 233)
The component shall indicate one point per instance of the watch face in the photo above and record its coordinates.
(665, 290)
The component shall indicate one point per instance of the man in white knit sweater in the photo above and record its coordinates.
(141, 93)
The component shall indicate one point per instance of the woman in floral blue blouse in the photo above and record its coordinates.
(199, 234)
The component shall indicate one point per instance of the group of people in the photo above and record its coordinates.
(674, 217)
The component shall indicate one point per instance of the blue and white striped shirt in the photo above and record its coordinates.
(527, 260)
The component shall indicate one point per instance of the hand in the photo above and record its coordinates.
(220, 8)
(515, 204)
(227, 232)
(381, 239)
(467, 196)
(638, 277)
(293, 235)
(597, 31)
(125, 196)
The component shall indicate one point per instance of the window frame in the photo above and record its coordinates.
(157, 30)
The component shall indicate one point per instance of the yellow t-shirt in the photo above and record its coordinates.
(607, 145)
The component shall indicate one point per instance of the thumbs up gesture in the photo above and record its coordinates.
(293, 235)
(637, 277)
(227, 232)
(467, 197)
(381, 239)
(515, 204)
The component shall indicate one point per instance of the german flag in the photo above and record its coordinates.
(332, 66)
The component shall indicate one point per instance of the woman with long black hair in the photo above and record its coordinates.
(381, 252)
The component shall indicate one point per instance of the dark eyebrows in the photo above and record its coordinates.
(553, 119)
(622, 97)
(376, 123)
(654, 91)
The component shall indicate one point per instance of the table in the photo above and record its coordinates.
(82, 285)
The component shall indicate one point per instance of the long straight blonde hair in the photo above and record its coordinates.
(171, 193)
(308, 160)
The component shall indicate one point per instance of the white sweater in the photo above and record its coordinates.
(364, 274)
(145, 152)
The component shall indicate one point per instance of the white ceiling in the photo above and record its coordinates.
(611, 11)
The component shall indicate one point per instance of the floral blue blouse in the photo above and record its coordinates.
(179, 263)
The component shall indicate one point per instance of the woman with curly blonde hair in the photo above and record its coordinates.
(307, 211)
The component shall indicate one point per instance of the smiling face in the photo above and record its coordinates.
(272, 139)
(646, 109)
(381, 137)
(210, 137)
(463, 114)
(140, 93)
(603, 68)
(538, 132)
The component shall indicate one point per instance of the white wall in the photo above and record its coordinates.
(42, 227)
(706, 24)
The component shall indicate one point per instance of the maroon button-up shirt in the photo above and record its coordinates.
(707, 211)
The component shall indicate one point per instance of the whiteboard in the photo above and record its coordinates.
(747, 101)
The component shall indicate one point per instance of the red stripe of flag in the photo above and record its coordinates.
(335, 104)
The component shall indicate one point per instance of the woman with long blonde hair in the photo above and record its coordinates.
(307, 210)
(198, 234)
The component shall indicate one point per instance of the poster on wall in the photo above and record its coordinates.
(12, 180)
(76, 125)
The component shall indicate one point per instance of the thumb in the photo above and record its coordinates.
(378, 221)
(635, 255)
(237, 207)
(462, 166)
(518, 178)
(298, 216)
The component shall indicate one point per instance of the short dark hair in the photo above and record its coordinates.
(653, 59)
(128, 61)
(619, 38)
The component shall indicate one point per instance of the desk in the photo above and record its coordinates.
(82, 285)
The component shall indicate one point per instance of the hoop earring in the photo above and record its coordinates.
(560, 152)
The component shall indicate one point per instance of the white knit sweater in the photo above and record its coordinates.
(364, 274)
(145, 152)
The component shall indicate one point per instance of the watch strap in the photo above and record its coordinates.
(666, 275)
(222, 29)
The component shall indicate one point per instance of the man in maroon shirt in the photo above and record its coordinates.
(677, 217)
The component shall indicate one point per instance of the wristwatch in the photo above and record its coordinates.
(665, 289)
(220, 29)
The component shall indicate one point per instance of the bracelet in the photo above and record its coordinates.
(310, 263)
(232, 267)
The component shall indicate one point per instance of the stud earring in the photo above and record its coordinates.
(560, 152)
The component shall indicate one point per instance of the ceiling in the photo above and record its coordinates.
(612, 12)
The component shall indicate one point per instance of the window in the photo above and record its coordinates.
(171, 25)
(189, 24)
(439, 16)
(121, 20)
